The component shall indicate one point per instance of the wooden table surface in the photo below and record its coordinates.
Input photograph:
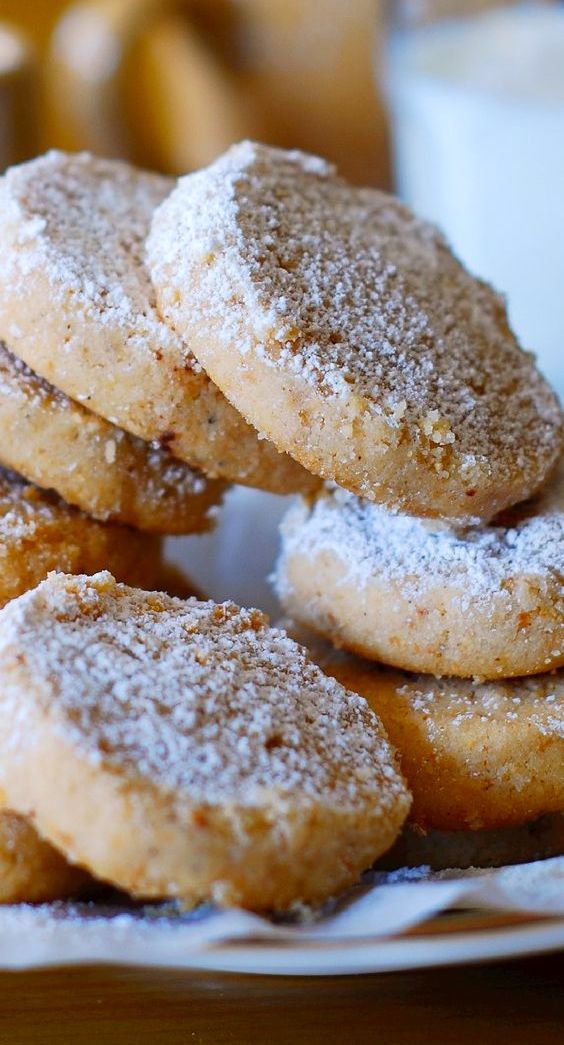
(519, 1002)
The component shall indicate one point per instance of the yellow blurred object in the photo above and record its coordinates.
(313, 65)
(183, 104)
(171, 83)
(84, 74)
(35, 17)
(17, 97)
(135, 78)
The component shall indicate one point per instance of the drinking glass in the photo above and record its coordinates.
(476, 98)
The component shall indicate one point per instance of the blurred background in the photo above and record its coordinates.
(458, 105)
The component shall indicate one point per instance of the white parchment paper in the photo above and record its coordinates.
(382, 906)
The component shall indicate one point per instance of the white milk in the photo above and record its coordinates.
(478, 109)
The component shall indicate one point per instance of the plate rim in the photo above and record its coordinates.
(323, 958)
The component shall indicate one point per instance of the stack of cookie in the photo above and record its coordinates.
(262, 322)
(344, 329)
(95, 390)
(95, 393)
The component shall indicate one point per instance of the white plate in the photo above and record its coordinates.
(38, 940)
(387, 955)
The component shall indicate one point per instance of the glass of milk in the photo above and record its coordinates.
(476, 95)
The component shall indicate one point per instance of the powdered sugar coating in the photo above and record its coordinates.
(477, 562)
(476, 755)
(540, 699)
(347, 290)
(98, 262)
(199, 699)
(483, 601)
(445, 703)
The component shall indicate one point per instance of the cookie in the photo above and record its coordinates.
(59, 444)
(39, 533)
(345, 330)
(487, 601)
(475, 755)
(215, 760)
(76, 304)
(31, 870)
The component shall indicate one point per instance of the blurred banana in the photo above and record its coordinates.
(170, 83)
(17, 97)
(139, 78)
